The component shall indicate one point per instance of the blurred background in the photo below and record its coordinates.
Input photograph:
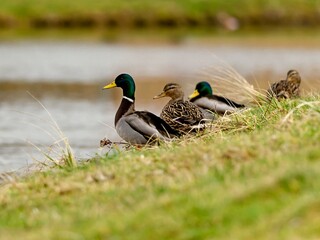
(61, 53)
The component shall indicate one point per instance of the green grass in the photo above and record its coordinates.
(284, 21)
(254, 175)
(37, 7)
(165, 12)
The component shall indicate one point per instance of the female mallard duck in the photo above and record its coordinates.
(203, 98)
(181, 115)
(137, 127)
(287, 88)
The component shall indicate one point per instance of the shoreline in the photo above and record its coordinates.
(240, 176)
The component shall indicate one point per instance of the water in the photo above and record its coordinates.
(87, 62)
(67, 79)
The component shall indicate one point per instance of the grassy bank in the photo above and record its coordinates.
(143, 13)
(254, 175)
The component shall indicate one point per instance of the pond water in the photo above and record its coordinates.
(67, 78)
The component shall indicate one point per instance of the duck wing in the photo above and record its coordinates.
(216, 105)
(183, 112)
(278, 90)
(158, 123)
(226, 101)
(293, 89)
(183, 116)
(148, 125)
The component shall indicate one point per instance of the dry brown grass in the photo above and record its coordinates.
(227, 81)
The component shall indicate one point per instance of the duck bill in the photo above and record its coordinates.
(194, 94)
(161, 95)
(110, 85)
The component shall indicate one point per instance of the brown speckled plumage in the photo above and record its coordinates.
(179, 114)
(288, 88)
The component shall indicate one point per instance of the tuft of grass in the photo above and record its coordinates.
(60, 153)
(254, 174)
(227, 81)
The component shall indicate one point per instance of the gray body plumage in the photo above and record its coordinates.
(205, 99)
(135, 130)
(216, 106)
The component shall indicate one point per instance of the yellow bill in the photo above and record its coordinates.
(194, 94)
(110, 85)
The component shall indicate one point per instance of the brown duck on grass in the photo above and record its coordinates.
(288, 88)
(137, 127)
(181, 115)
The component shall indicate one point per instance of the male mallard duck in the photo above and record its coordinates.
(203, 98)
(137, 127)
(181, 115)
(287, 88)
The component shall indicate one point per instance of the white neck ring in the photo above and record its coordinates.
(129, 99)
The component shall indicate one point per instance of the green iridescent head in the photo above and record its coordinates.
(202, 89)
(126, 82)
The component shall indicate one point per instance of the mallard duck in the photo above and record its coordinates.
(203, 98)
(179, 114)
(287, 88)
(137, 127)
